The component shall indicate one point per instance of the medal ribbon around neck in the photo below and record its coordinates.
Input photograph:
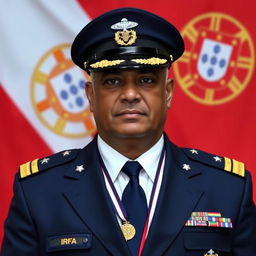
(119, 208)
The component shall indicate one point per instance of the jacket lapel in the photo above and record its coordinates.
(177, 199)
(89, 198)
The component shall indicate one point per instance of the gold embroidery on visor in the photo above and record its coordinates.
(150, 61)
(106, 63)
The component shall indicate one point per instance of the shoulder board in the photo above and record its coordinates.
(223, 163)
(38, 165)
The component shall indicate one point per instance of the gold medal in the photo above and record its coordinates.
(128, 230)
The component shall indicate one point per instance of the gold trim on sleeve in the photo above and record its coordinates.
(34, 166)
(25, 170)
(238, 168)
(228, 164)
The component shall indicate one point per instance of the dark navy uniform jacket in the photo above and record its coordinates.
(61, 207)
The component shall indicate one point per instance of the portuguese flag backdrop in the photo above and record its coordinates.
(214, 103)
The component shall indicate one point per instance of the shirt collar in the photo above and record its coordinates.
(114, 161)
(150, 159)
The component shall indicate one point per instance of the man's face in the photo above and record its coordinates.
(130, 103)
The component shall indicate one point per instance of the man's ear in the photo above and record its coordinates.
(169, 91)
(89, 93)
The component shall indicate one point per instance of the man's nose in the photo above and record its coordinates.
(130, 92)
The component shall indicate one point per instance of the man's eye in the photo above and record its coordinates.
(112, 82)
(146, 80)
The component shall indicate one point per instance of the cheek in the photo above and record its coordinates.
(157, 102)
(103, 103)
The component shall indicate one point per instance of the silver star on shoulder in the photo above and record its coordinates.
(217, 159)
(79, 168)
(45, 160)
(186, 167)
(66, 153)
(193, 151)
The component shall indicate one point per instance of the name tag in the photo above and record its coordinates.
(69, 242)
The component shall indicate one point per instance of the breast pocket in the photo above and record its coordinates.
(203, 241)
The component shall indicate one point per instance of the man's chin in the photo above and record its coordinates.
(132, 133)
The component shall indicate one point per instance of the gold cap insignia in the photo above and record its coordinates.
(125, 37)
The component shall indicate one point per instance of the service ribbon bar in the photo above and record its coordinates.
(202, 214)
(208, 219)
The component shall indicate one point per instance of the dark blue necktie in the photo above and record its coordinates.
(135, 203)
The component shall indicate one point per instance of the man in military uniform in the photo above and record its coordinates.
(131, 191)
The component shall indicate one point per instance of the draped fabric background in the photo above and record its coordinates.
(42, 105)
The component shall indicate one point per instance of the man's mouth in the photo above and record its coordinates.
(130, 113)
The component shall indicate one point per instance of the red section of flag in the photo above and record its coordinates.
(20, 143)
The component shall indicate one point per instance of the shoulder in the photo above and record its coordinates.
(221, 163)
(42, 164)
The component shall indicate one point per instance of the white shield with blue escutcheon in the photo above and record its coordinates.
(69, 88)
(213, 60)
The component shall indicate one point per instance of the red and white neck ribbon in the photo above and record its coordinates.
(120, 210)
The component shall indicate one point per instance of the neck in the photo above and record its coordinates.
(133, 147)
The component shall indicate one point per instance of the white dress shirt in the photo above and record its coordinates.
(114, 161)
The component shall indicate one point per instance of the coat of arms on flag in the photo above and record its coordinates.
(58, 95)
(69, 88)
(213, 60)
(219, 60)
